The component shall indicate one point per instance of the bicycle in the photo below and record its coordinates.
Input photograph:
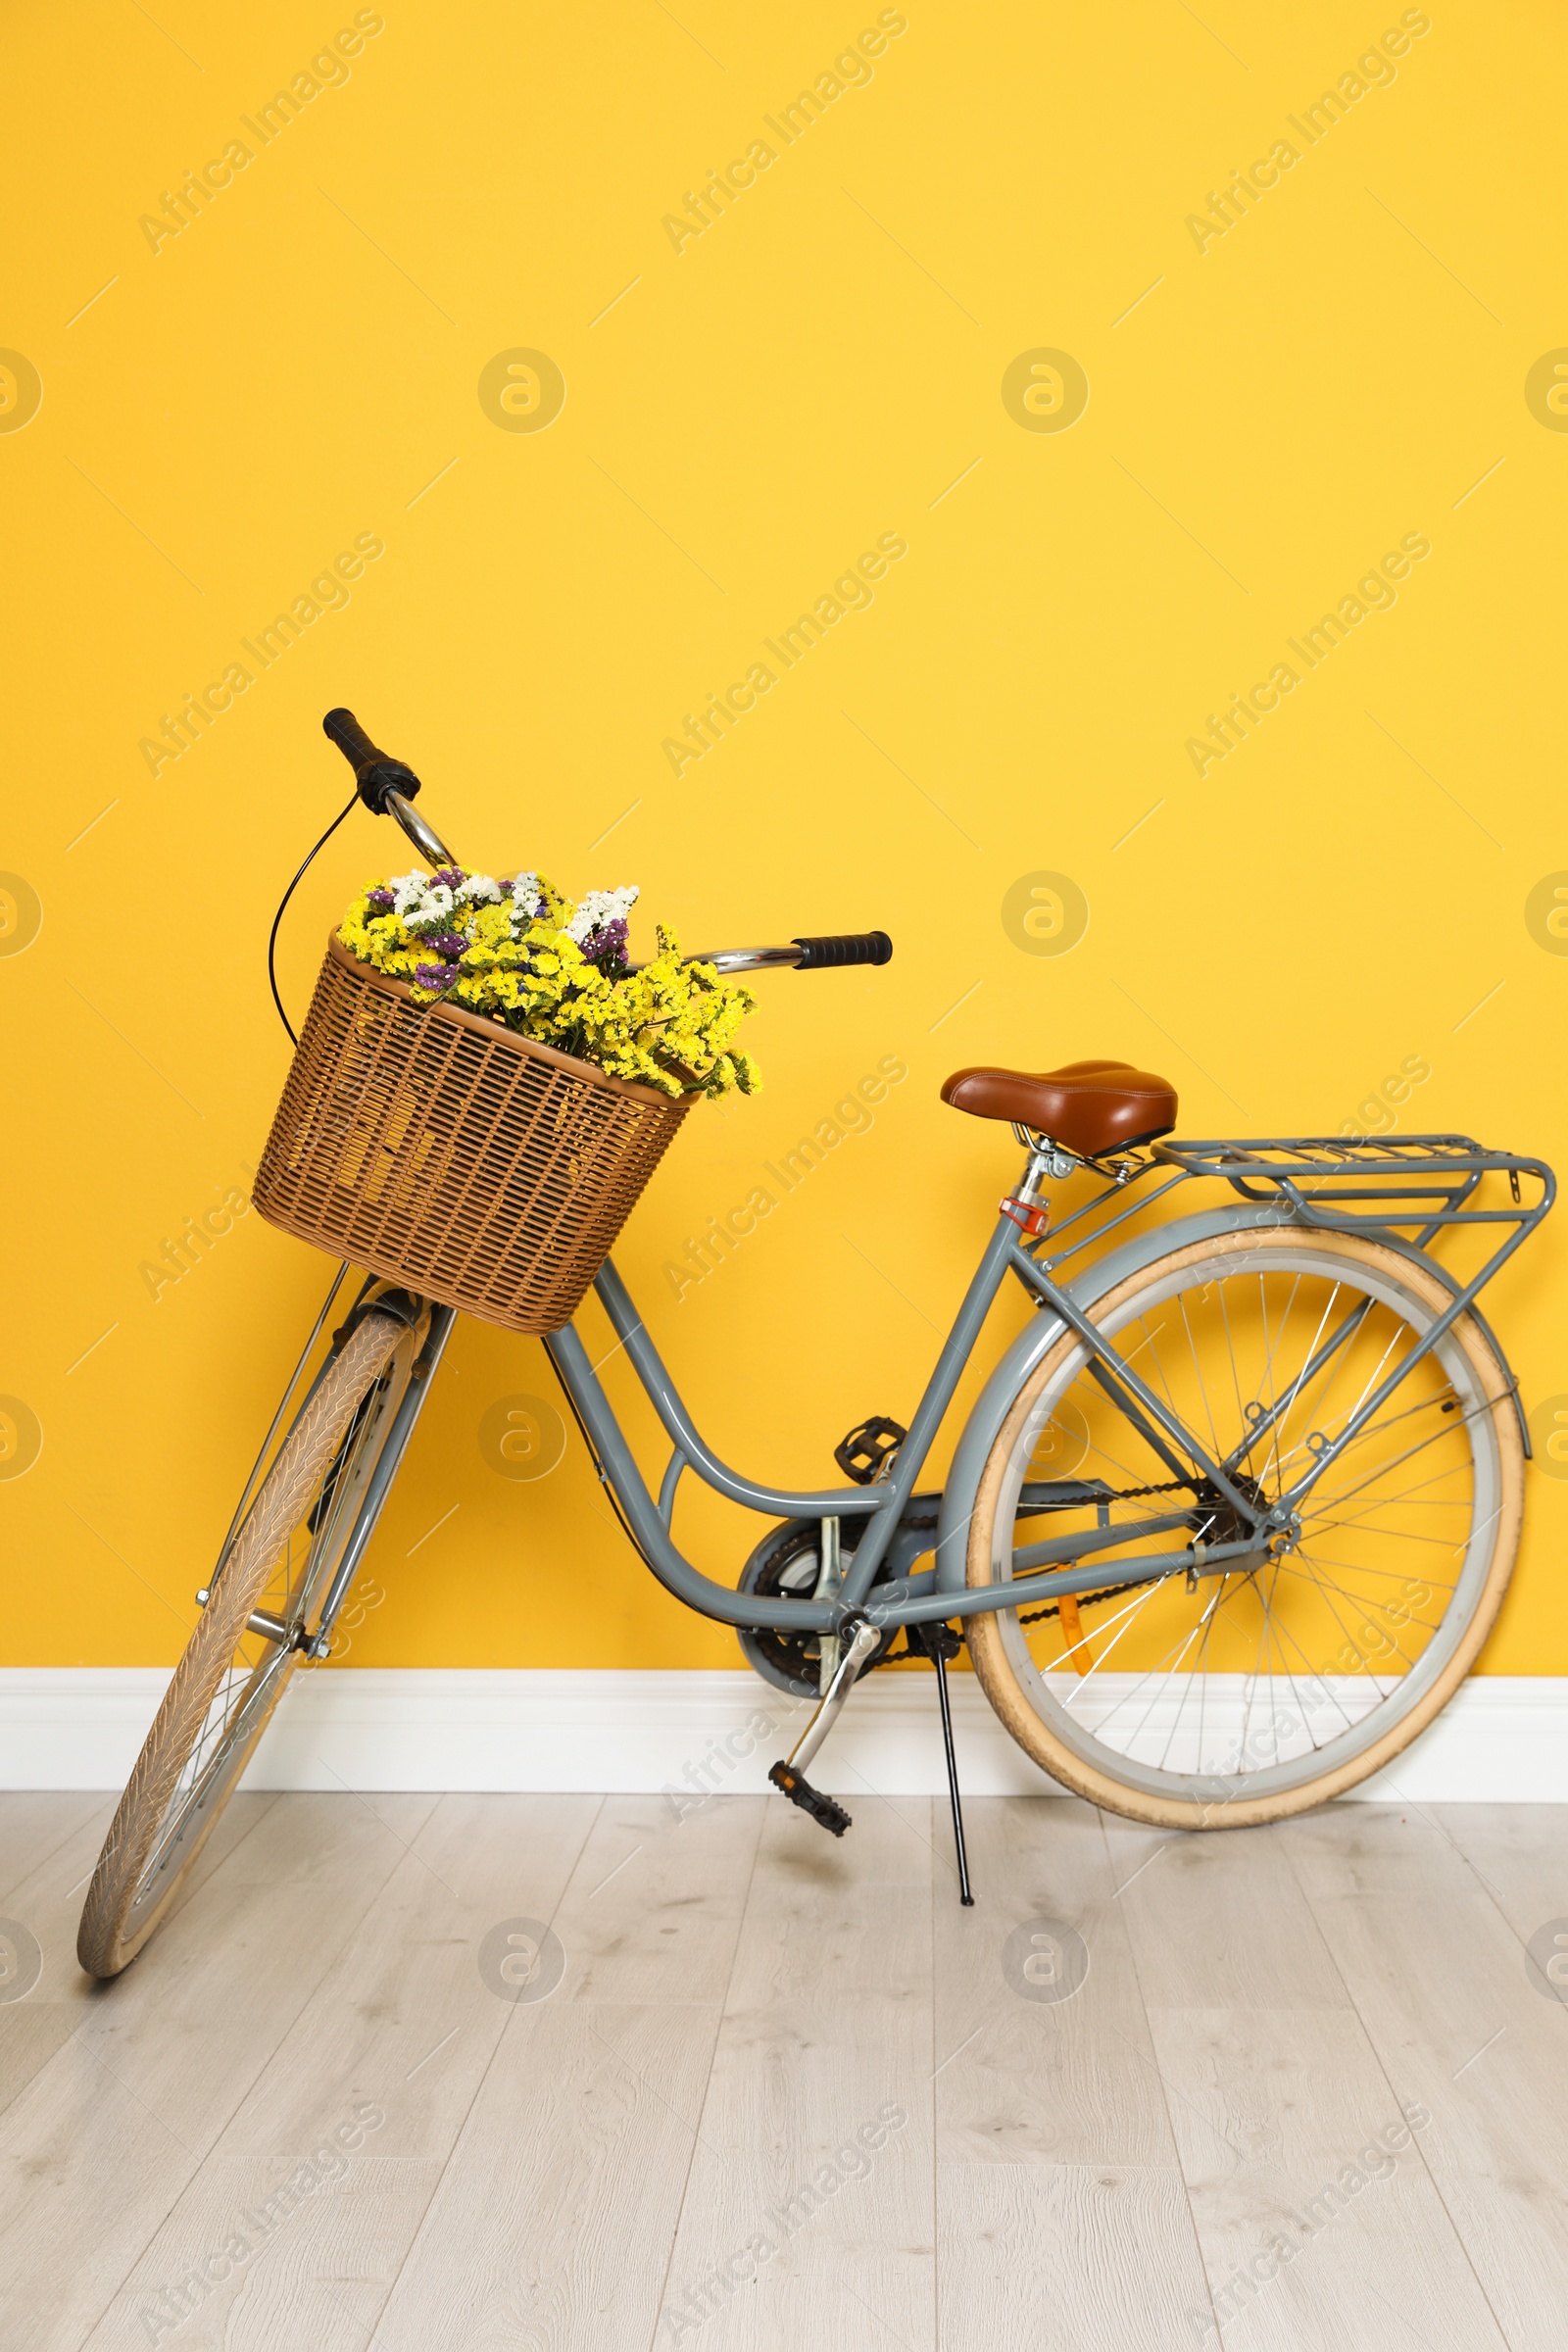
(1228, 1525)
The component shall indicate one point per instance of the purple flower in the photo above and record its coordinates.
(381, 899)
(434, 975)
(606, 948)
(450, 944)
(452, 875)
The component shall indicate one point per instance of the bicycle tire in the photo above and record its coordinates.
(126, 1904)
(1036, 1702)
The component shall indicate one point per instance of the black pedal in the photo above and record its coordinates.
(822, 1809)
(862, 1454)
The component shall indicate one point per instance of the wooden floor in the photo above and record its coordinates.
(785, 2095)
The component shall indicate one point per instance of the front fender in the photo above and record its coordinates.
(1084, 1289)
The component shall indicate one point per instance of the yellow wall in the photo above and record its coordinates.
(1270, 410)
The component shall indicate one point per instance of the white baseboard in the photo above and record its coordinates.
(1504, 1739)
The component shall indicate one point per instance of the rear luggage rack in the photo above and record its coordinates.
(1423, 1180)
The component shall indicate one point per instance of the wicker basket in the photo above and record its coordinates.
(432, 1145)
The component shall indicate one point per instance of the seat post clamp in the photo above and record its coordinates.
(1030, 1216)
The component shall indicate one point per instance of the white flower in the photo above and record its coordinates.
(479, 890)
(599, 910)
(527, 895)
(431, 911)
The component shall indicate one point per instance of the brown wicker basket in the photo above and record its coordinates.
(430, 1144)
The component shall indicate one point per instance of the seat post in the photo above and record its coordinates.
(1028, 1208)
(1042, 1165)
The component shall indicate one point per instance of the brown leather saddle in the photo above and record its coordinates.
(1089, 1107)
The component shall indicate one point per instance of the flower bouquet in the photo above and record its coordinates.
(520, 953)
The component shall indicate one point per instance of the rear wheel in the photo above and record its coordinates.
(273, 1575)
(1220, 1699)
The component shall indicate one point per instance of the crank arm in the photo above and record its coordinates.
(852, 1657)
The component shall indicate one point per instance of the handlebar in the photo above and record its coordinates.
(388, 788)
(844, 946)
(375, 771)
(822, 954)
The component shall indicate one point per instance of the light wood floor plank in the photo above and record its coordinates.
(1519, 1853)
(315, 1837)
(1219, 1921)
(1078, 2258)
(1438, 1979)
(34, 1824)
(1311, 2232)
(1060, 2083)
(48, 1903)
(230, 1973)
(1274, 2087)
(273, 2264)
(97, 2148)
(655, 1901)
(404, 2017)
(30, 2033)
(555, 2216)
(552, 2220)
(811, 2195)
(403, 2024)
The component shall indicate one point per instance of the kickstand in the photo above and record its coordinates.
(940, 1643)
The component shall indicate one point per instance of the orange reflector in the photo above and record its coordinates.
(1072, 1625)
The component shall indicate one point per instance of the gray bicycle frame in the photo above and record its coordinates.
(1427, 1181)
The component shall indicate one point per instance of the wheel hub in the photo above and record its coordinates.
(1216, 1519)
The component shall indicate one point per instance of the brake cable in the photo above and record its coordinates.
(271, 939)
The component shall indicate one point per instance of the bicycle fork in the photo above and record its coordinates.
(422, 1375)
(317, 1646)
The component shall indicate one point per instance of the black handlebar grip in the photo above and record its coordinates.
(374, 772)
(845, 947)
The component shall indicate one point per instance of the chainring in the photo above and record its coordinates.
(786, 1562)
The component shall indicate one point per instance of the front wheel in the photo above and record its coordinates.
(272, 1574)
(1213, 1700)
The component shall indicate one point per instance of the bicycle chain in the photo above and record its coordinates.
(1170, 1486)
